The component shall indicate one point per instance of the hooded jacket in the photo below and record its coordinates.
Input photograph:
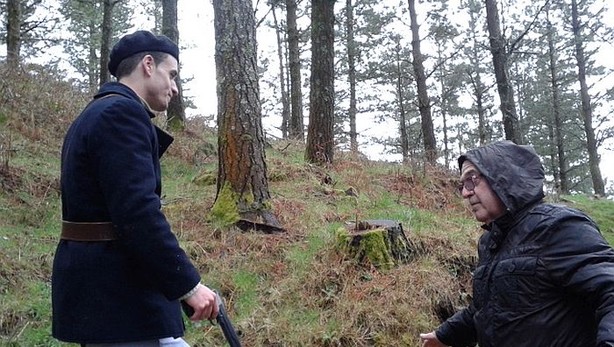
(545, 275)
(127, 289)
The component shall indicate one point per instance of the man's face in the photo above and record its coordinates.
(480, 198)
(161, 84)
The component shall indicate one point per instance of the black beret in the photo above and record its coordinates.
(137, 42)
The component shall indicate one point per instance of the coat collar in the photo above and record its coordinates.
(115, 88)
(164, 140)
(125, 91)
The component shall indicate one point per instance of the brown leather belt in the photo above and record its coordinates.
(88, 232)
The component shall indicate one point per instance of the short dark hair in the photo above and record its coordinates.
(128, 65)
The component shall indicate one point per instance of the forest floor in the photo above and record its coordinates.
(295, 288)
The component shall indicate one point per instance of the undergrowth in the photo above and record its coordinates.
(289, 289)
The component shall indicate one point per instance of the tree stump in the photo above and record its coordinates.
(381, 243)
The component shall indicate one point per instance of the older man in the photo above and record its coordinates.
(545, 275)
(119, 273)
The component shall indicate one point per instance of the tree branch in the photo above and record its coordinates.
(526, 31)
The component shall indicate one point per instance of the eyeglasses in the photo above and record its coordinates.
(469, 183)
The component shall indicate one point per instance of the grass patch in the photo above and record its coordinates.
(302, 254)
(246, 285)
(598, 209)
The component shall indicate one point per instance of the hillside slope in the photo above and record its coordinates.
(291, 289)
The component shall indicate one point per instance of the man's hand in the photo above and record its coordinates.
(430, 340)
(204, 304)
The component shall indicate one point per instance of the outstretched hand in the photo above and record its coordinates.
(430, 340)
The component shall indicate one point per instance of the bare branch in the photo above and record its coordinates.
(526, 31)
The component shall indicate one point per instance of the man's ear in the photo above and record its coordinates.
(148, 63)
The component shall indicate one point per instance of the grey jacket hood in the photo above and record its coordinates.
(514, 172)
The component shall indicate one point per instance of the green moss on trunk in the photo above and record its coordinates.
(225, 210)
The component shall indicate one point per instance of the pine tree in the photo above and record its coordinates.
(424, 104)
(242, 186)
(176, 108)
(320, 138)
(28, 29)
(85, 19)
(500, 57)
(587, 107)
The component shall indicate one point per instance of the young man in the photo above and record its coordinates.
(545, 275)
(119, 273)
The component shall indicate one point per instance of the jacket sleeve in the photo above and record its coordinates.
(125, 161)
(581, 261)
(458, 330)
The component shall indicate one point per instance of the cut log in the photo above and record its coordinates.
(381, 243)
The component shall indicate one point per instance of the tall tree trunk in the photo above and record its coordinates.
(297, 127)
(176, 108)
(285, 106)
(560, 158)
(93, 69)
(587, 112)
(444, 103)
(320, 139)
(242, 184)
(521, 87)
(351, 51)
(499, 59)
(13, 33)
(424, 104)
(107, 30)
(478, 94)
(479, 90)
(401, 101)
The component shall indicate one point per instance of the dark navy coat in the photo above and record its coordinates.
(127, 289)
(545, 275)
